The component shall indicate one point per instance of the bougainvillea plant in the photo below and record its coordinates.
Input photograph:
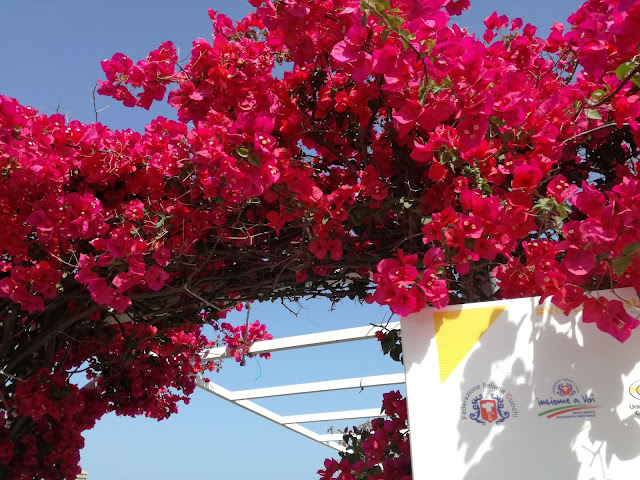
(399, 159)
(380, 452)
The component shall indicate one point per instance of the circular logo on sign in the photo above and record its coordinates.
(565, 388)
(634, 390)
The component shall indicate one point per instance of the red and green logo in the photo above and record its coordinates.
(554, 412)
(566, 401)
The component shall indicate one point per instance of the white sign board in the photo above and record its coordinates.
(514, 389)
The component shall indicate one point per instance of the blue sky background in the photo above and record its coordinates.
(50, 54)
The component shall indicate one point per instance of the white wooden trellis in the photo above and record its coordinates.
(243, 398)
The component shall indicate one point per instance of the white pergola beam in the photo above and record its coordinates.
(300, 341)
(327, 416)
(243, 398)
(330, 385)
(332, 437)
(223, 393)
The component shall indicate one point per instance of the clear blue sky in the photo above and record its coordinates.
(50, 54)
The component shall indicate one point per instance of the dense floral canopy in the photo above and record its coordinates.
(399, 159)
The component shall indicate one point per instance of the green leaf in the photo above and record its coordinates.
(594, 114)
(254, 160)
(423, 91)
(562, 210)
(498, 122)
(631, 249)
(364, 5)
(624, 69)
(395, 354)
(387, 344)
(543, 204)
(620, 264)
(394, 22)
(598, 94)
(384, 35)
(381, 5)
(243, 152)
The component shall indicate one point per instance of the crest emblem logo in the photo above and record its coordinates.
(488, 410)
(566, 390)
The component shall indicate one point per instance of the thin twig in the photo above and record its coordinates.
(243, 362)
(582, 134)
(614, 92)
(13, 377)
(93, 101)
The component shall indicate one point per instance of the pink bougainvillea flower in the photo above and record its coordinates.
(433, 259)
(560, 189)
(407, 301)
(349, 52)
(579, 261)
(589, 200)
(155, 277)
(385, 60)
(456, 7)
(610, 317)
(162, 256)
(527, 177)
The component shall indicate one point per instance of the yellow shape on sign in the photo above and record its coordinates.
(457, 331)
